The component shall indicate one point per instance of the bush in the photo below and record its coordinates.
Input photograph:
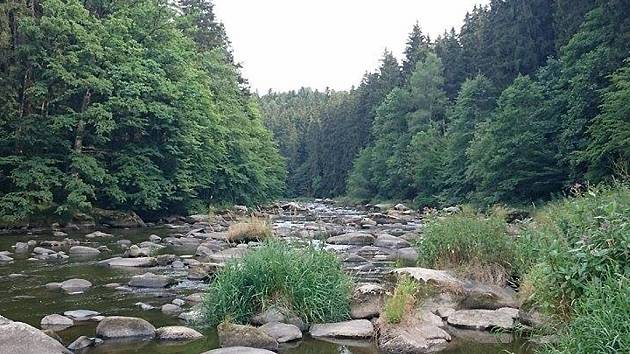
(307, 281)
(401, 302)
(255, 229)
(602, 320)
(468, 241)
(573, 243)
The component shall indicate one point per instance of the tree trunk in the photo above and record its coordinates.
(80, 129)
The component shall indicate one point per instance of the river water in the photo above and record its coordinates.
(24, 298)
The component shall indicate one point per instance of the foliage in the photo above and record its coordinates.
(602, 320)
(307, 281)
(576, 242)
(125, 106)
(402, 300)
(467, 242)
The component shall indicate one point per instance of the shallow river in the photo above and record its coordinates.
(24, 298)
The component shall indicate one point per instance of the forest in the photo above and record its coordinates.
(125, 105)
(525, 102)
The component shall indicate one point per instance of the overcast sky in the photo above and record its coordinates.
(287, 44)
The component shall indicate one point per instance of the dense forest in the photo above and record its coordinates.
(528, 99)
(129, 105)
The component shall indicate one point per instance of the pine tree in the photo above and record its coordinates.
(418, 45)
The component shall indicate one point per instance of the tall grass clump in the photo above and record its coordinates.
(402, 300)
(309, 282)
(254, 229)
(601, 321)
(468, 242)
(574, 243)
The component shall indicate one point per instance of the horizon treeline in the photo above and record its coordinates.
(126, 105)
(527, 100)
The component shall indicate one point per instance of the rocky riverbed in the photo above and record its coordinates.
(137, 290)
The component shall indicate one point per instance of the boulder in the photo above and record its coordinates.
(408, 255)
(348, 329)
(124, 327)
(83, 251)
(150, 280)
(118, 219)
(239, 350)
(81, 343)
(488, 297)
(155, 238)
(367, 301)
(502, 318)
(56, 321)
(389, 241)
(195, 298)
(281, 315)
(5, 259)
(18, 337)
(4, 320)
(171, 309)
(423, 338)
(352, 238)
(282, 332)
(177, 333)
(232, 335)
(21, 247)
(75, 285)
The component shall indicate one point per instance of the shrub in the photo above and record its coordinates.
(602, 320)
(402, 301)
(468, 242)
(307, 281)
(255, 229)
(575, 242)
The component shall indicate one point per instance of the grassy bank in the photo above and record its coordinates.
(572, 259)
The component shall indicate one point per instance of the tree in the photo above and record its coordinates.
(513, 153)
(418, 45)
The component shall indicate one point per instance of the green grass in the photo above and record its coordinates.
(403, 300)
(601, 323)
(467, 241)
(307, 281)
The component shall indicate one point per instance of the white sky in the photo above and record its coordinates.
(287, 44)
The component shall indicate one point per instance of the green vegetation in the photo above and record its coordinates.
(473, 244)
(402, 301)
(128, 106)
(255, 229)
(307, 281)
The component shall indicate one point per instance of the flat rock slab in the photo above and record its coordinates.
(124, 327)
(177, 333)
(352, 238)
(150, 280)
(437, 277)
(282, 332)
(239, 350)
(20, 338)
(502, 318)
(97, 234)
(424, 338)
(81, 315)
(389, 241)
(140, 262)
(75, 285)
(56, 321)
(83, 251)
(347, 329)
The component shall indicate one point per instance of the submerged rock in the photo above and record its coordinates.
(150, 280)
(124, 327)
(231, 335)
(81, 315)
(141, 262)
(75, 285)
(98, 234)
(347, 329)
(83, 251)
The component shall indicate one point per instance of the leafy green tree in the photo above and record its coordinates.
(514, 153)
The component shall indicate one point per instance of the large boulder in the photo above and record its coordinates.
(124, 327)
(239, 350)
(177, 333)
(352, 238)
(407, 255)
(355, 329)
(367, 301)
(282, 332)
(75, 285)
(440, 278)
(422, 338)
(488, 297)
(150, 280)
(20, 338)
(56, 321)
(502, 318)
(118, 219)
(233, 335)
(21, 247)
(281, 315)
